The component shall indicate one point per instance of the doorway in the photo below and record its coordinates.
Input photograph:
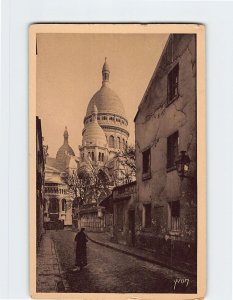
(131, 215)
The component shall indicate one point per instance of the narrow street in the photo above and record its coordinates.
(110, 271)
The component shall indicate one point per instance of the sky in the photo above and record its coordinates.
(69, 73)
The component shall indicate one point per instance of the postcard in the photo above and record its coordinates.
(117, 161)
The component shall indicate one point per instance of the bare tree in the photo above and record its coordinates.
(124, 169)
(90, 183)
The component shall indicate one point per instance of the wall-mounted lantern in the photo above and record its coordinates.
(182, 164)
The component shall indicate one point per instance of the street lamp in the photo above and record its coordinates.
(182, 164)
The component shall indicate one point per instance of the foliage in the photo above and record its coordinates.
(88, 184)
(125, 166)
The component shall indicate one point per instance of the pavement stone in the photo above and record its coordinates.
(49, 277)
(104, 240)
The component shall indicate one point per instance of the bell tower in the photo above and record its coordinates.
(105, 72)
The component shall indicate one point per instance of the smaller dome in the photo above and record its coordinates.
(64, 151)
(94, 110)
(94, 135)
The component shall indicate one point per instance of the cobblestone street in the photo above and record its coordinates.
(110, 271)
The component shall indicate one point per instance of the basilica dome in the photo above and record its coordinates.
(105, 123)
(106, 101)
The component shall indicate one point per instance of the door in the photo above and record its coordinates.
(131, 215)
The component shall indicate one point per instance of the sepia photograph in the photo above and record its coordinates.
(117, 160)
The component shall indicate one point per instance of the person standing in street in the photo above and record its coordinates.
(81, 250)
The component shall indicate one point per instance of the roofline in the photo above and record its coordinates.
(152, 78)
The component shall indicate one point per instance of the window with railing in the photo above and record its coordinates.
(174, 215)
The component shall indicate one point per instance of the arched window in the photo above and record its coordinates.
(102, 156)
(118, 142)
(99, 156)
(53, 205)
(92, 156)
(111, 141)
(63, 204)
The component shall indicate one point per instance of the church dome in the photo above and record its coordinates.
(93, 133)
(64, 150)
(106, 100)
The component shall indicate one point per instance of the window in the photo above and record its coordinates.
(101, 156)
(111, 141)
(174, 215)
(172, 149)
(146, 163)
(147, 215)
(123, 142)
(53, 206)
(172, 84)
(92, 156)
(118, 143)
(63, 204)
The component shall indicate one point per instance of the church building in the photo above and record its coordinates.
(104, 135)
(58, 203)
(105, 124)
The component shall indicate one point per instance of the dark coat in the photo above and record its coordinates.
(81, 249)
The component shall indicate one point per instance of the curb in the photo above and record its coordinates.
(154, 261)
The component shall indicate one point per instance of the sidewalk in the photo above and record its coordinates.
(104, 240)
(49, 277)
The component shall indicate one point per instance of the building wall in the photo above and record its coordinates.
(40, 168)
(124, 200)
(155, 122)
(59, 193)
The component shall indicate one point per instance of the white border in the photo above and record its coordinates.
(17, 15)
